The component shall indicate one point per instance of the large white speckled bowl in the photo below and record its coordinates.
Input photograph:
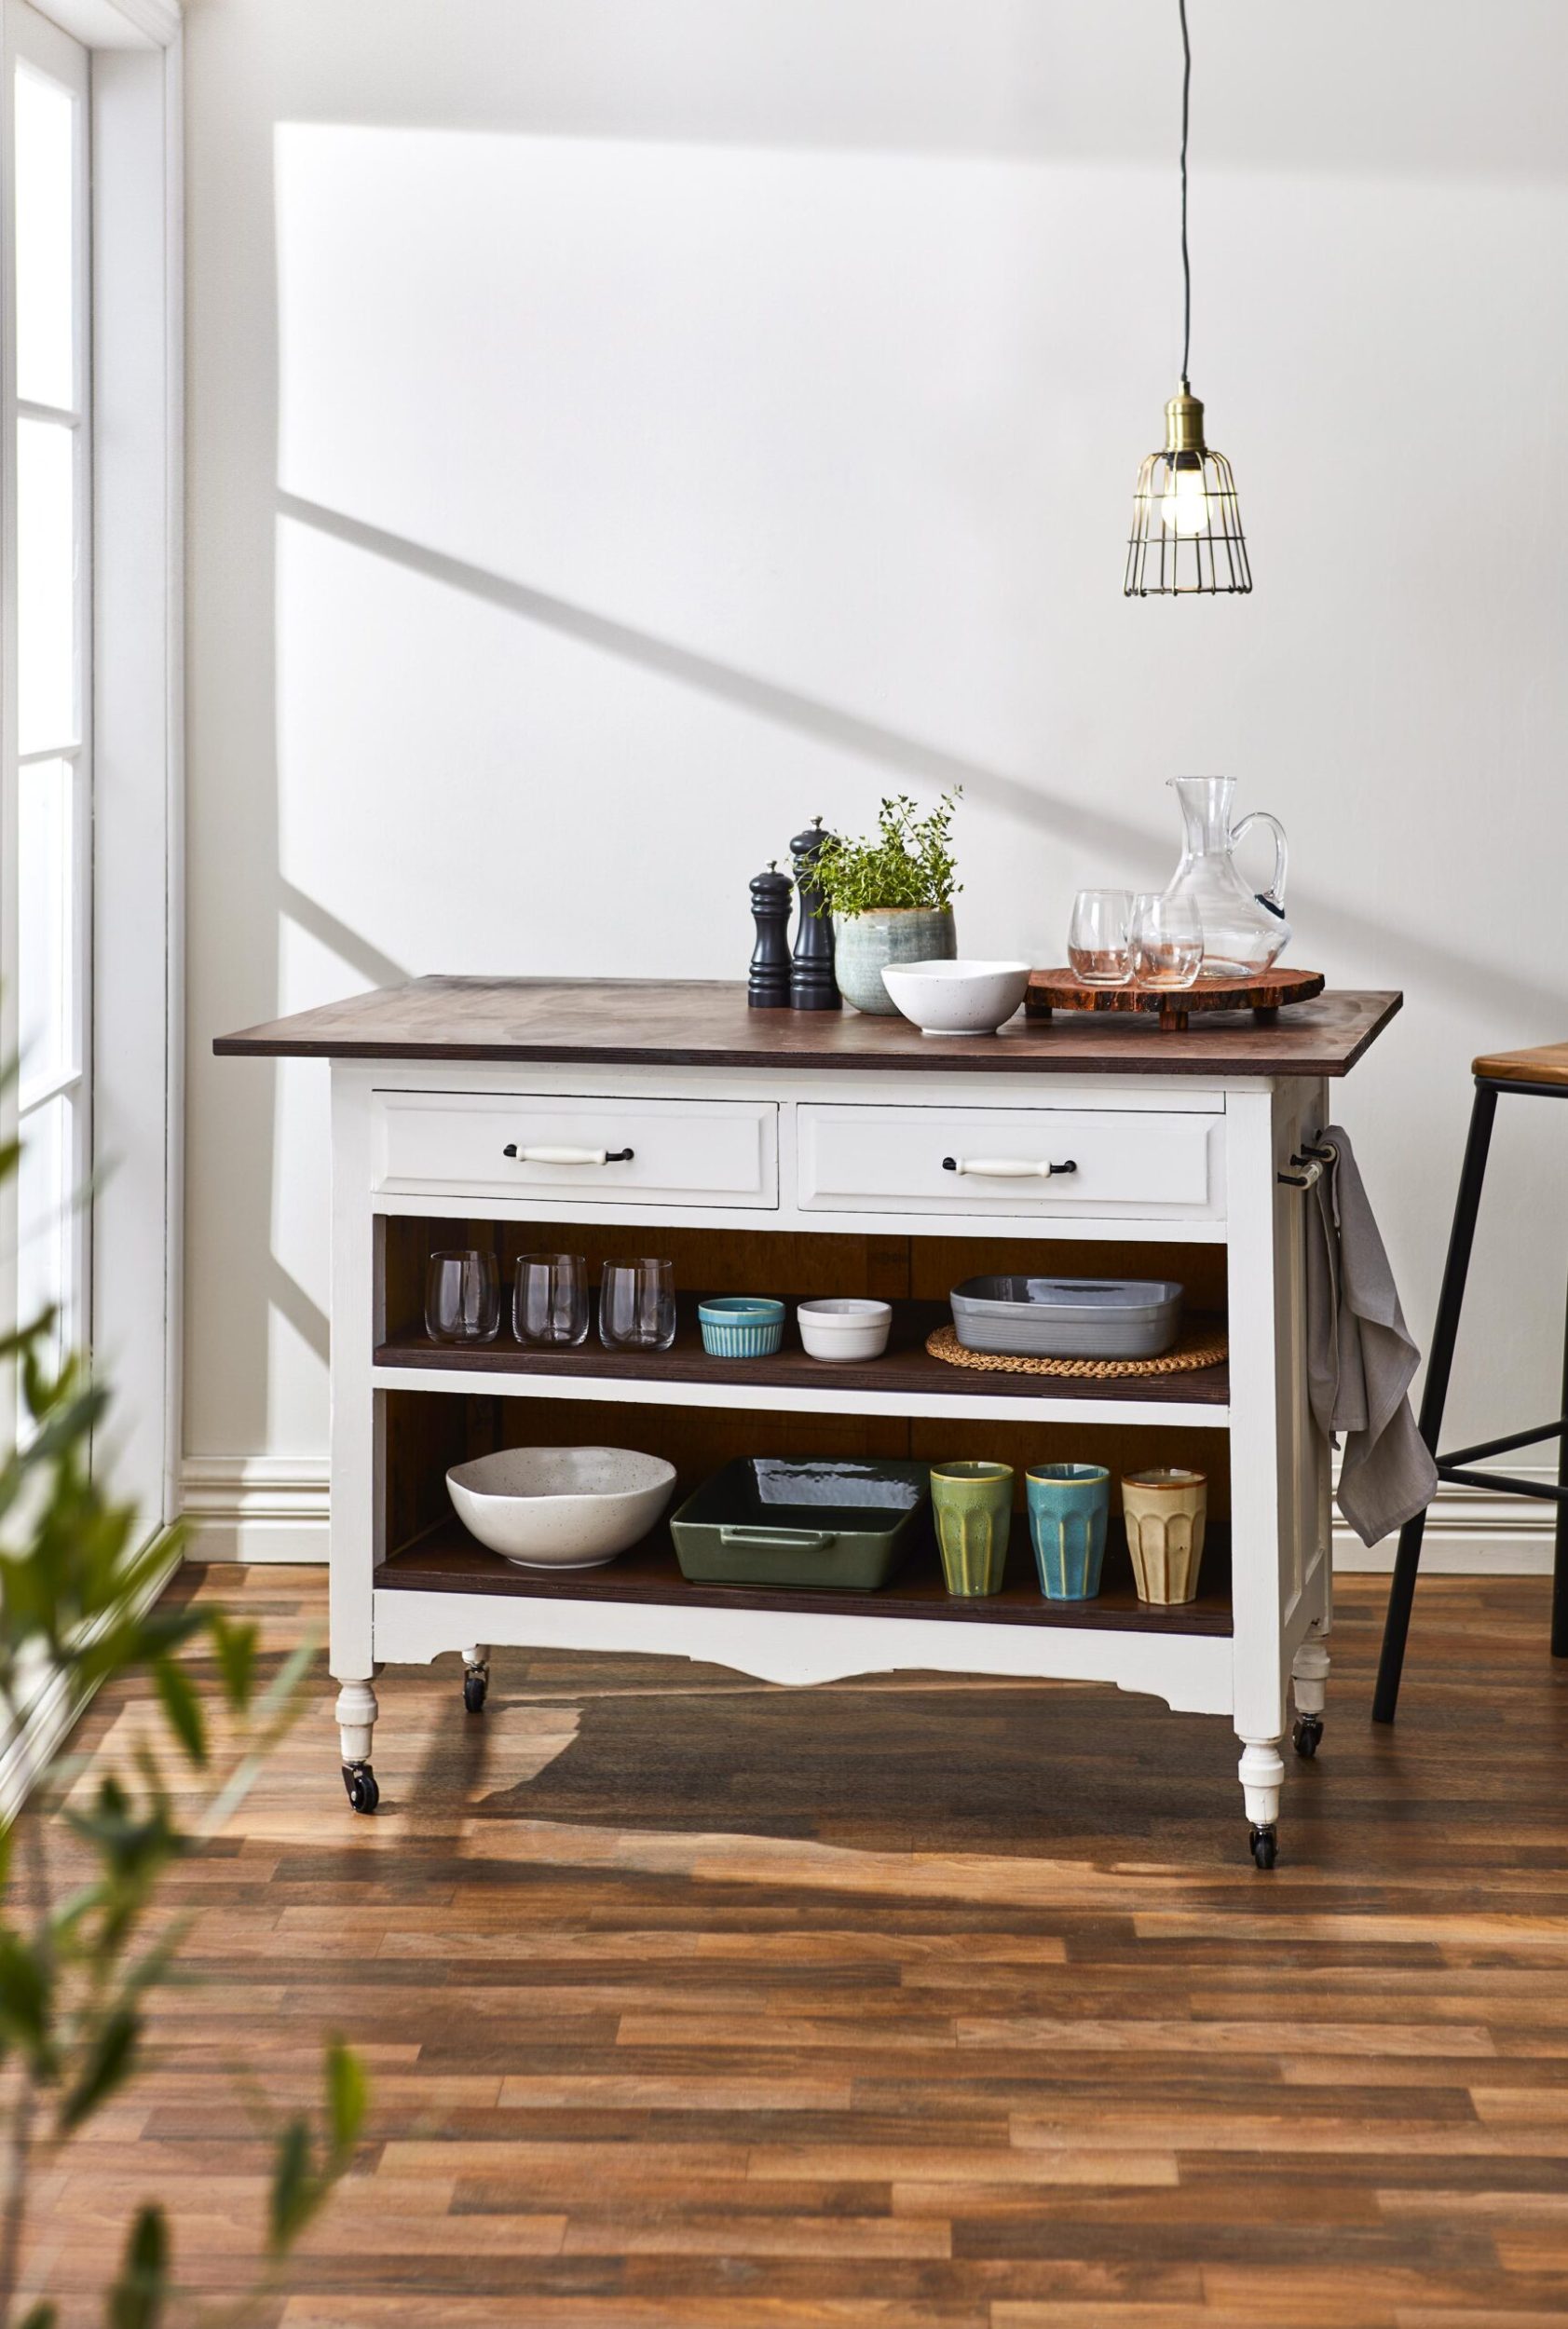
(560, 1507)
(957, 997)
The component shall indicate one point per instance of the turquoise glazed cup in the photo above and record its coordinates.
(1068, 1507)
(972, 1504)
(740, 1325)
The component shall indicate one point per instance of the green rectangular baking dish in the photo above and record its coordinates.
(809, 1522)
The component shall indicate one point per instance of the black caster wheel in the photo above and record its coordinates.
(1265, 1847)
(1308, 1735)
(476, 1685)
(359, 1781)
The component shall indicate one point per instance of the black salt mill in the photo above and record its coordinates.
(811, 984)
(768, 988)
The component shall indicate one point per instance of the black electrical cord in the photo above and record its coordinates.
(1186, 262)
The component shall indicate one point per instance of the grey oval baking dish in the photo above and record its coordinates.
(1023, 1317)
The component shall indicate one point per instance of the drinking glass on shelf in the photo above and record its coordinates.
(1167, 940)
(1096, 937)
(637, 1305)
(550, 1299)
(462, 1295)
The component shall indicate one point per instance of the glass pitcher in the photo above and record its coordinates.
(1244, 931)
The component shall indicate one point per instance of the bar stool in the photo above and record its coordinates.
(1534, 1075)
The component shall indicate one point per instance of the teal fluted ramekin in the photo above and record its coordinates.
(1069, 1505)
(740, 1325)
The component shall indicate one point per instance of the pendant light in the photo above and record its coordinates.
(1186, 533)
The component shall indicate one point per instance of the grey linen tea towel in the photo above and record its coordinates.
(1360, 1357)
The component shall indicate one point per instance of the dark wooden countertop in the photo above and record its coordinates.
(694, 1023)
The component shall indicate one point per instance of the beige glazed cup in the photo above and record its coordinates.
(1164, 1511)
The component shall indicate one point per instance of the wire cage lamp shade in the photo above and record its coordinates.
(1186, 538)
(1186, 533)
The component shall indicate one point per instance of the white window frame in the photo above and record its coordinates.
(134, 1045)
(31, 43)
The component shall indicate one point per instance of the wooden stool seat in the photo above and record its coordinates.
(1547, 1064)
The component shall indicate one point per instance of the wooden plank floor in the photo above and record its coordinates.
(905, 2002)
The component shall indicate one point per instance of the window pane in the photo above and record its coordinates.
(46, 919)
(46, 585)
(45, 129)
(46, 1221)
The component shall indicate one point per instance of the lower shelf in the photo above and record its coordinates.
(446, 1559)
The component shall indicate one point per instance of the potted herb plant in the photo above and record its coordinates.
(891, 897)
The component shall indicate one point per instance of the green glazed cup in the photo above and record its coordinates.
(973, 1508)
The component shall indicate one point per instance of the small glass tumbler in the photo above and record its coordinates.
(1097, 939)
(637, 1305)
(1167, 940)
(463, 1297)
(550, 1299)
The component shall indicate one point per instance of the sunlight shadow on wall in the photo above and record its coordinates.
(900, 757)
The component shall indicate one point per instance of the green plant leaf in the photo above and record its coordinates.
(234, 1645)
(182, 1707)
(110, 2059)
(347, 2097)
(26, 1999)
(908, 862)
(293, 2196)
(138, 2297)
(42, 2316)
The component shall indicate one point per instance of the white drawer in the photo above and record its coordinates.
(502, 1144)
(934, 1160)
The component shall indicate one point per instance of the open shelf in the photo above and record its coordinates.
(905, 1370)
(446, 1559)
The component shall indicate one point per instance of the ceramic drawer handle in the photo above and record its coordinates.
(1005, 1168)
(568, 1156)
(797, 1540)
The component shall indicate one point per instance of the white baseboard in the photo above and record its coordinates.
(248, 1509)
(275, 1508)
(1470, 1533)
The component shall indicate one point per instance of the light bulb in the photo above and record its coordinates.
(1185, 504)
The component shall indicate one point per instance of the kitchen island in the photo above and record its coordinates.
(816, 1154)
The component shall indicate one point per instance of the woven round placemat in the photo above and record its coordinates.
(1204, 1344)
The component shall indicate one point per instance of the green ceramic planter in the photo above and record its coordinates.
(864, 943)
(972, 1504)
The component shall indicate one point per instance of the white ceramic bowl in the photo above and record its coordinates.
(845, 1327)
(957, 997)
(560, 1507)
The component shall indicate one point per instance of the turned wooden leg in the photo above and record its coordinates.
(1262, 1774)
(356, 1720)
(476, 1677)
(1309, 1676)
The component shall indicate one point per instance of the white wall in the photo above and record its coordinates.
(622, 429)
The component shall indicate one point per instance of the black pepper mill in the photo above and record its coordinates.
(768, 988)
(811, 984)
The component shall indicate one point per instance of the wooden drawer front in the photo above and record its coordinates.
(683, 1151)
(877, 1159)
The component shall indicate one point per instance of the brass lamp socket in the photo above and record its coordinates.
(1184, 423)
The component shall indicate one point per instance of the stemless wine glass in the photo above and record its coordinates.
(637, 1305)
(1167, 940)
(463, 1297)
(550, 1299)
(1097, 938)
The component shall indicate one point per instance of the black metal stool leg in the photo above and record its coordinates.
(1560, 1558)
(1434, 1397)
